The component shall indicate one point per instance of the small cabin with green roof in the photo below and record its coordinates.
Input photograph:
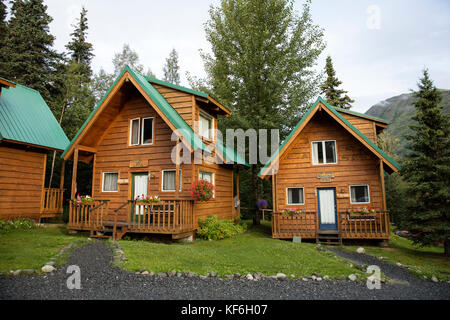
(149, 141)
(328, 178)
(28, 132)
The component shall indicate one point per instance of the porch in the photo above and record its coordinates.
(51, 202)
(349, 226)
(175, 217)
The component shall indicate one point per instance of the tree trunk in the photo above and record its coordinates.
(256, 220)
(447, 248)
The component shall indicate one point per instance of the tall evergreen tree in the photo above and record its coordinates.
(29, 57)
(334, 96)
(80, 50)
(261, 67)
(427, 169)
(171, 68)
(3, 30)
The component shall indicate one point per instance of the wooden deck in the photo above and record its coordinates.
(350, 226)
(173, 217)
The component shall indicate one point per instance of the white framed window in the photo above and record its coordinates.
(295, 195)
(359, 194)
(207, 176)
(168, 180)
(135, 125)
(206, 126)
(147, 130)
(110, 182)
(324, 152)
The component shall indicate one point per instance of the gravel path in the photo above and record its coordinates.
(100, 281)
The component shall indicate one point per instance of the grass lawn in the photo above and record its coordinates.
(250, 252)
(429, 260)
(31, 249)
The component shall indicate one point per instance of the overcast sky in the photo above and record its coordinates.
(378, 47)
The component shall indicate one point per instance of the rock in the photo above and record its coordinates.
(399, 282)
(305, 279)
(434, 279)
(352, 277)
(250, 276)
(17, 272)
(48, 268)
(292, 276)
(145, 272)
(171, 273)
(314, 278)
(383, 280)
(151, 274)
(203, 277)
(213, 274)
(399, 264)
(326, 277)
(281, 276)
(319, 279)
(361, 250)
(162, 274)
(237, 275)
(179, 274)
(229, 277)
(28, 271)
(318, 275)
(258, 276)
(190, 275)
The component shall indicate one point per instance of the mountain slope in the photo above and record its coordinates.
(398, 111)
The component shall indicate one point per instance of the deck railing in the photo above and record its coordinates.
(170, 217)
(52, 201)
(365, 226)
(285, 226)
(88, 215)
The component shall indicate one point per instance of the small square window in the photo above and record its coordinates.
(110, 182)
(207, 176)
(324, 152)
(295, 196)
(205, 126)
(168, 180)
(359, 194)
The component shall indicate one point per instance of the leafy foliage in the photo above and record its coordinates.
(16, 224)
(214, 229)
(427, 169)
(334, 96)
(128, 57)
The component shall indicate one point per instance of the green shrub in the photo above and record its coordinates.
(16, 224)
(214, 229)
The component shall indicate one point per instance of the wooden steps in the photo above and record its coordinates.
(331, 237)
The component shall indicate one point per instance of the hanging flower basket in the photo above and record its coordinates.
(361, 211)
(293, 212)
(202, 190)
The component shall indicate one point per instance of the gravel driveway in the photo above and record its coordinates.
(100, 281)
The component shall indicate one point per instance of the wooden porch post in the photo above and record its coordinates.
(177, 173)
(274, 195)
(237, 194)
(61, 181)
(74, 173)
(383, 190)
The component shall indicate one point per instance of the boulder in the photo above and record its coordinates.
(352, 277)
(48, 268)
(434, 279)
(281, 276)
(361, 250)
(250, 276)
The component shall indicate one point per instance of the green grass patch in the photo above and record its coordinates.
(249, 252)
(426, 261)
(31, 249)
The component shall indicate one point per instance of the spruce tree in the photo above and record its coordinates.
(3, 30)
(80, 50)
(334, 96)
(261, 67)
(427, 169)
(171, 68)
(29, 58)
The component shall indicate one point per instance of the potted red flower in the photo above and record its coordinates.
(202, 190)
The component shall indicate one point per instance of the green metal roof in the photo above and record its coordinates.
(26, 118)
(360, 115)
(173, 116)
(333, 110)
(176, 86)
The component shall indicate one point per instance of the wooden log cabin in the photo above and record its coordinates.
(328, 178)
(28, 131)
(144, 138)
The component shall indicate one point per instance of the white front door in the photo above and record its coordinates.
(140, 188)
(327, 208)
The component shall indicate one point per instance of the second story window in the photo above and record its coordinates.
(141, 131)
(324, 152)
(205, 126)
